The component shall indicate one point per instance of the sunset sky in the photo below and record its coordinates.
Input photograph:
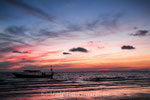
(75, 35)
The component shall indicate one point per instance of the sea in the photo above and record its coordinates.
(119, 85)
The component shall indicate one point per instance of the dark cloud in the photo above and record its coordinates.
(5, 35)
(140, 33)
(15, 34)
(5, 45)
(66, 53)
(14, 40)
(48, 33)
(15, 30)
(37, 12)
(25, 52)
(16, 51)
(111, 22)
(93, 24)
(70, 28)
(79, 49)
(73, 27)
(128, 47)
(45, 34)
(6, 49)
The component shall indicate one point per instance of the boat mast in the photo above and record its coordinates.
(51, 69)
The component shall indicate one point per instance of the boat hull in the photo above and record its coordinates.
(19, 75)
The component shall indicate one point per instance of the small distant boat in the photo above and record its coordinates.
(34, 74)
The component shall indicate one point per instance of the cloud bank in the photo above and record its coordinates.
(66, 53)
(141, 33)
(127, 47)
(79, 49)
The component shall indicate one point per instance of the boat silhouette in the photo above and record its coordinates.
(34, 74)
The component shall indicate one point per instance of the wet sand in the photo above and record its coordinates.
(91, 88)
(128, 92)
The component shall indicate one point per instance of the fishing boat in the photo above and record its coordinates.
(34, 74)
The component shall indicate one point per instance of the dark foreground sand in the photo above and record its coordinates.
(134, 97)
(137, 96)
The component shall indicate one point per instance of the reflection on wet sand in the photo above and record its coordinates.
(79, 91)
(96, 94)
(106, 88)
